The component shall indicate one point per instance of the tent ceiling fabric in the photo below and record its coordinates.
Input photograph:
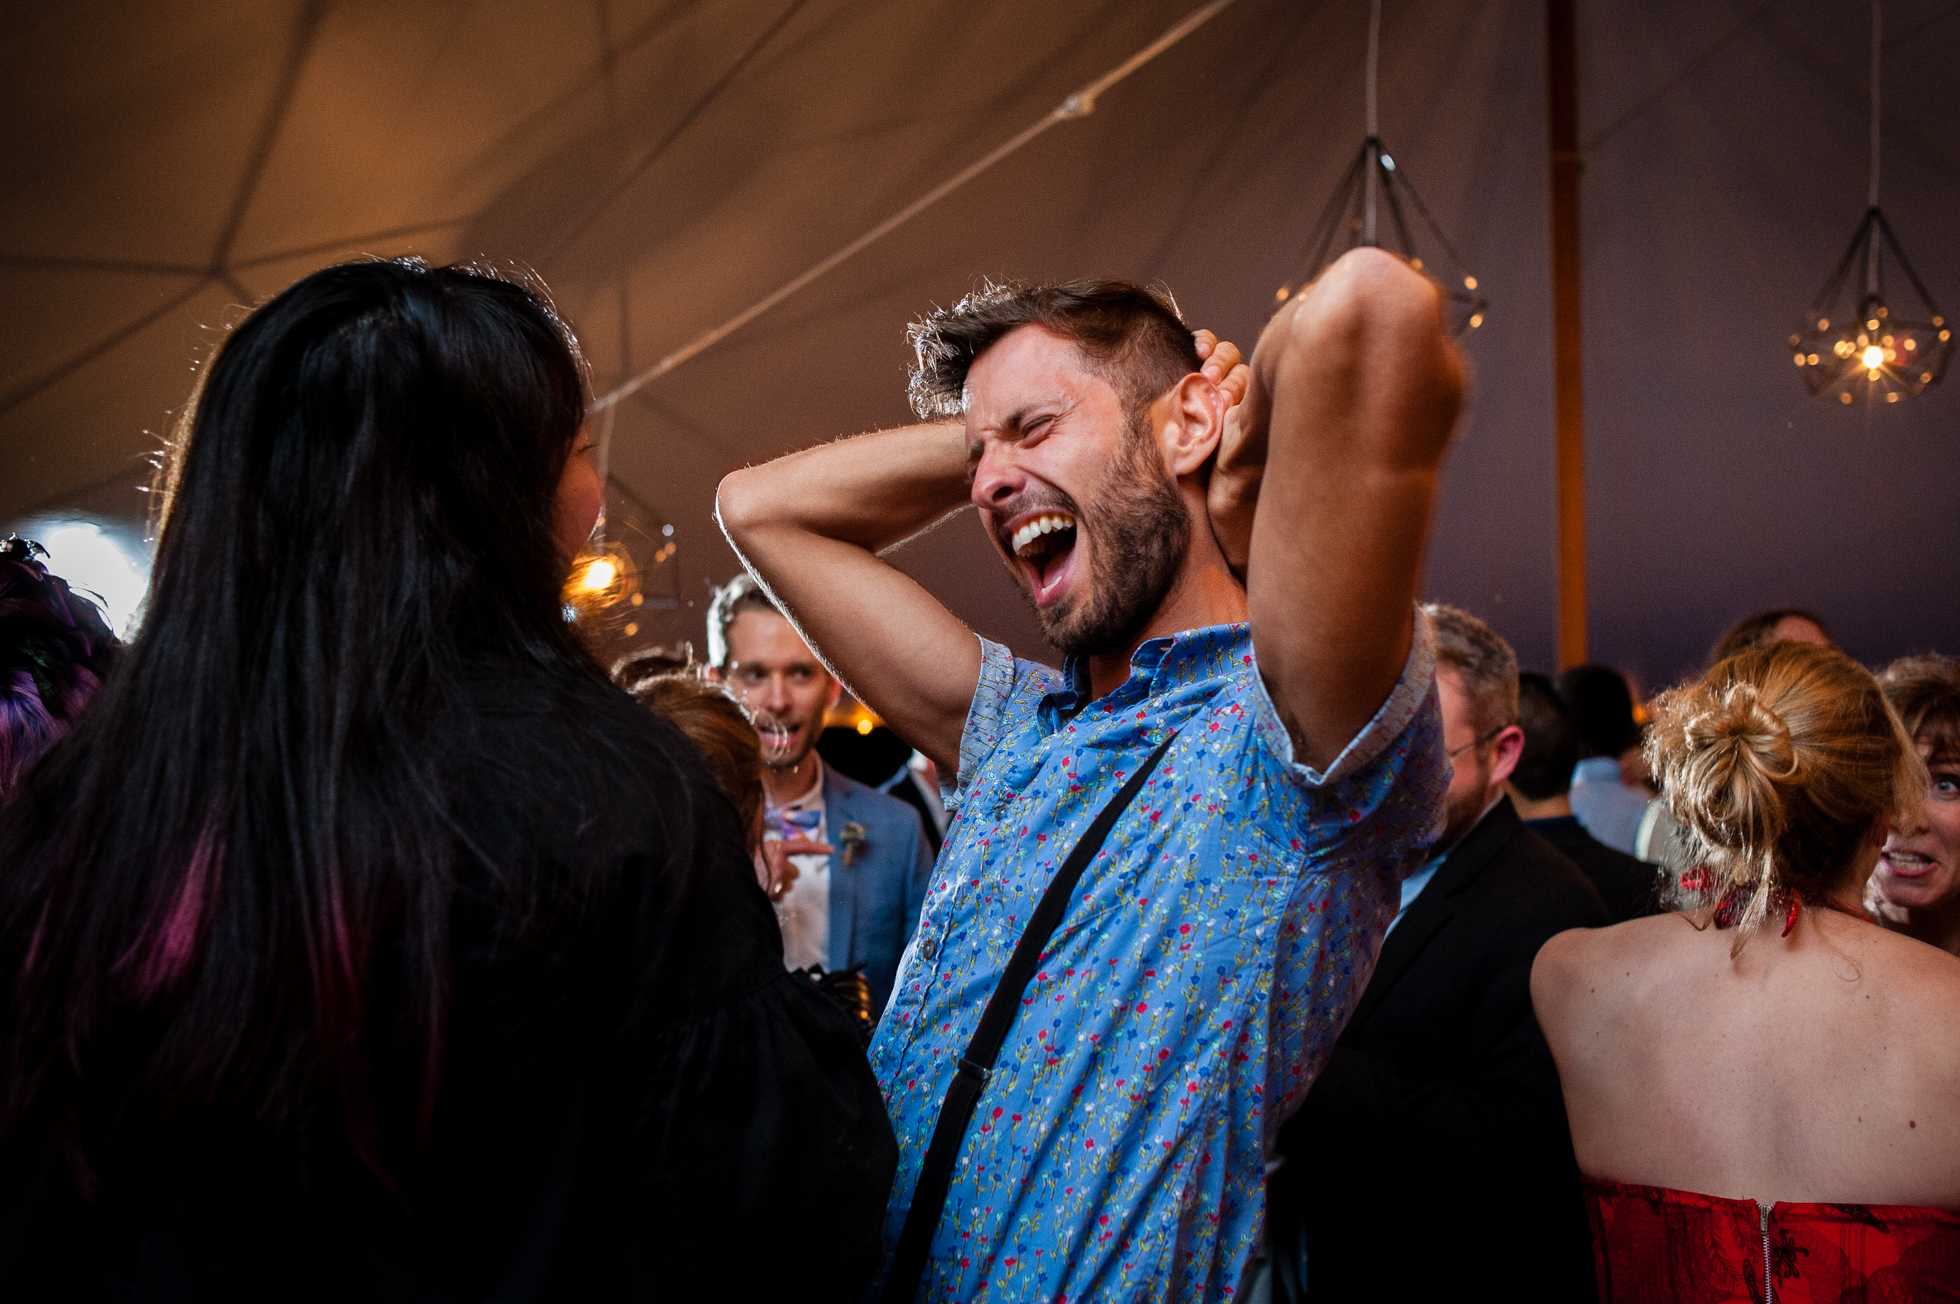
(663, 165)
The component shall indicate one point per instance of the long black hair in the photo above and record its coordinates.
(231, 881)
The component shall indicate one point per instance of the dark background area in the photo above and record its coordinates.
(663, 165)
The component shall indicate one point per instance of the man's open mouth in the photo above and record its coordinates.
(1044, 545)
(777, 737)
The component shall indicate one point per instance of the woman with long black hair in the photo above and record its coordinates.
(360, 941)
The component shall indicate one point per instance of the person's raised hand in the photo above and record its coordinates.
(1233, 491)
(774, 866)
(1224, 366)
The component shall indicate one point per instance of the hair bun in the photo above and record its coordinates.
(1732, 755)
(1741, 721)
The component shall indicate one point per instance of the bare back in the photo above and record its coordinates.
(1823, 1067)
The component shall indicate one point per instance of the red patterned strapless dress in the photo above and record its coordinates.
(1652, 1244)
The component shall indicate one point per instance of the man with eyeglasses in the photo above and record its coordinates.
(1432, 1154)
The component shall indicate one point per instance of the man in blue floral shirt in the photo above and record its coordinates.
(1226, 554)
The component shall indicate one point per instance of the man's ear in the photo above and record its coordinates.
(1507, 748)
(835, 696)
(1192, 413)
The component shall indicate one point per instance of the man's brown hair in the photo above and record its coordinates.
(1130, 336)
(1482, 660)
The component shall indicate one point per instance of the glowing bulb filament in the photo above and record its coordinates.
(1873, 356)
(598, 575)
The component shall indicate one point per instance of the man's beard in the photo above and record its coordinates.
(1462, 811)
(1141, 530)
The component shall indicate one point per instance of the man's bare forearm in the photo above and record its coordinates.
(873, 490)
(810, 526)
(1355, 391)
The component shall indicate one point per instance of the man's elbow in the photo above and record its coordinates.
(1371, 289)
(739, 507)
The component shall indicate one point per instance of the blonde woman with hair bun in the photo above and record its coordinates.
(1764, 1086)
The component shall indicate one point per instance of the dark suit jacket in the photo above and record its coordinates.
(877, 886)
(1431, 1159)
(1630, 887)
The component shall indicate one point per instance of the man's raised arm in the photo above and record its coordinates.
(811, 526)
(1355, 389)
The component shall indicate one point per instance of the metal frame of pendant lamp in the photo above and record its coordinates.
(1848, 350)
(1355, 211)
(1374, 181)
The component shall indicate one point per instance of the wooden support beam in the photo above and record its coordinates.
(1568, 356)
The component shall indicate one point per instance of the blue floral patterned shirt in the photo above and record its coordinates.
(1207, 961)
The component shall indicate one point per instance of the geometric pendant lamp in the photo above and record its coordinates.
(1856, 344)
(1375, 182)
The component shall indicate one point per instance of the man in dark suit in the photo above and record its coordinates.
(849, 863)
(1540, 788)
(1431, 1158)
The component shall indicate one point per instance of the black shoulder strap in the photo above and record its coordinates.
(936, 1174)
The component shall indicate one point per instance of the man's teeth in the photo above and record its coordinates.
(1039, 526)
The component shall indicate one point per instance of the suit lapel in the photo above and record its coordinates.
(844, 880)
(1437, 904)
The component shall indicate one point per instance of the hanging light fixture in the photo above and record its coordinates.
(1851, 348)
(1353, 216)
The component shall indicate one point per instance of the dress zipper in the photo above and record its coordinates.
(1769, 1286)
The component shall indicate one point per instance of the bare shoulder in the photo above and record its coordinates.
(1584, 972)
(1924, 981)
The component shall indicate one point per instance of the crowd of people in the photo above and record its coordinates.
(363, 938)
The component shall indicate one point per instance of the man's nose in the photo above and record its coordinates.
(998, 479)
(775, 694)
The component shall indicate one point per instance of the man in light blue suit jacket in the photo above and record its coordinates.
(849, 876)
(877, 879)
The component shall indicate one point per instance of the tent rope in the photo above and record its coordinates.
(1078, 104)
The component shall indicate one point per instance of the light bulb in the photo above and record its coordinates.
(864, 726)
(1873, 356)
(598, 575)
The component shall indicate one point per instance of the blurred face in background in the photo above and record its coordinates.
(1920, 867)
(1479, 760)
(781, 682)
(1796, 629)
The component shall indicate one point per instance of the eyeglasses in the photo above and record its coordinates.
(1455, 752)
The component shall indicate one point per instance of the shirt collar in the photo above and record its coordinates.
(1157, 665)
(811, 800)
(1597, 769)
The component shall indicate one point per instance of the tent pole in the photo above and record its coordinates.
(1568, 358)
